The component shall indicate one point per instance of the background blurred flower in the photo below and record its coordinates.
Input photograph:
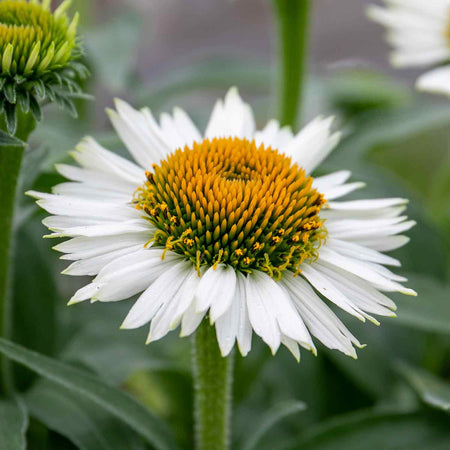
(419, 31)
(233, 226)
(38, 51)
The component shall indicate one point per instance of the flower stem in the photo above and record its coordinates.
(293, 35)
(10, 162)
(213, 380)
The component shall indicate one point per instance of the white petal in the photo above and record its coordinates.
(273, 135)
(141, 136)
(261, 309)
(83, 247)
(161, 292)
(362, 270)
(292, 346)
(216, 290)
(93, 265)
(102, 180)
(327, 289)
(385, 243)
(131, 274)
(436, 81)
(231, 118)
(82, 207)
(91, 155)
(169, 315)
(62, 225)
(360, 291)
(313, 144)
(85, 293)
(320, 320)
(191, 320)
(360, 252)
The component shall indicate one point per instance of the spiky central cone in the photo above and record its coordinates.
(229, 201)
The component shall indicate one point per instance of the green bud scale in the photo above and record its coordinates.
(38, 53)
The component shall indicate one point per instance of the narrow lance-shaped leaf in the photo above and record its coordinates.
(118, 403)
(13, 425)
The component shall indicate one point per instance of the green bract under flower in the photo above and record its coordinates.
(38, 50)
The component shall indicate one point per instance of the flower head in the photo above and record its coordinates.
(419, 31)
(229, 225)
(38, 51)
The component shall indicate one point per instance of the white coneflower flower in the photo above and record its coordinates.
(230, 225)
(419, 31)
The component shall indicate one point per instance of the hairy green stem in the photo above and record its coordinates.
(293, 30)
(213, 381)
(10, 162)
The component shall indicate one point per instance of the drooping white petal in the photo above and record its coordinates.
(190, 320)
(169, 315)
(216, 290)
(161, 292)
(292, 346)
(363, 270)
(360, 252)
(323, 285)
(361, 292)
(320, 320)
(261, 310)
(133, 273)
(385, 243)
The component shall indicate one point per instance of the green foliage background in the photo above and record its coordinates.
(93, 387)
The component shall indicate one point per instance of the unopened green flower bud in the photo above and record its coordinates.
(38, 57)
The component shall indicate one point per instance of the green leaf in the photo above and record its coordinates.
(116, 402)
(432, 390)
(377, 430)
(271, 418)
(91, 346)
(81, 421)
(13, 425)
(430, 310)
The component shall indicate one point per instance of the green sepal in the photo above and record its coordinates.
(80, 69)
(19, 79)
(39, 88)
(23, 99)
(35, 108)
(11, 118)
(69, 106)
(10, 93)
(2, 105)
(2, 83)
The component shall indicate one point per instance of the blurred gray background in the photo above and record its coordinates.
(181, 31)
